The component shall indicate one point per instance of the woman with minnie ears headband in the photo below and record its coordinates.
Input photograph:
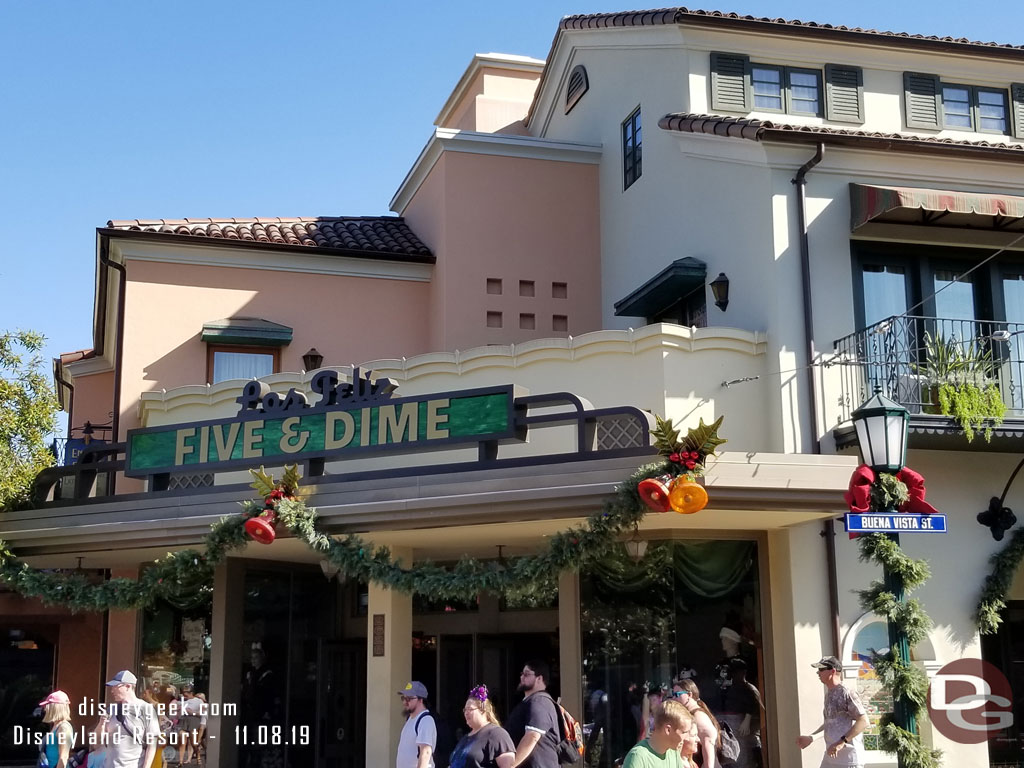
(487, 745)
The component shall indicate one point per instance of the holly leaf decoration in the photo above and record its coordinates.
(704, 438)
(290, 481)
(666, 437)
(262, 483)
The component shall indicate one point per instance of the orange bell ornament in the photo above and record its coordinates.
(654, 492)
(686, 496)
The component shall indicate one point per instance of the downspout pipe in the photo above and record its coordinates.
(115, 417)
(828, 529)
(800, 181)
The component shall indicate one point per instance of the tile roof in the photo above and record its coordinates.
(369, 235)
(684, 15)
(766, 130)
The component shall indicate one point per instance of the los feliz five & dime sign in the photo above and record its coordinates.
(357, 417)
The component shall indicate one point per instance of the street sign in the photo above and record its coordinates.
(874, 523)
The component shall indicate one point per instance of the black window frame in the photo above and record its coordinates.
(632, 150)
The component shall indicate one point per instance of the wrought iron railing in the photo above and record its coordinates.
(907, 358)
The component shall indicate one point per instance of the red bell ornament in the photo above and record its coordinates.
(261, 528)
(654, 492)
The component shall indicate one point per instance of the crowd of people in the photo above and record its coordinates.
(676, 728)
(163, 726)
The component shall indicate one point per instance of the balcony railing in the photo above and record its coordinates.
(907, 358)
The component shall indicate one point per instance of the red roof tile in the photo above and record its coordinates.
(684, 15)
(766, 130)
(372, 235)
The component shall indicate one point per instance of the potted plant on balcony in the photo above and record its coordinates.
(960, 382)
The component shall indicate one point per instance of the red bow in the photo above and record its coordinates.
(858, 498)
(915, 489)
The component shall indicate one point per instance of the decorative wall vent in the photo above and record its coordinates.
(578, 85)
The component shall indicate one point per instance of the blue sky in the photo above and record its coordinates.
(115, 110)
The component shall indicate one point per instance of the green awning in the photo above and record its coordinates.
(247, 331)
(915, 205)
(663, 290)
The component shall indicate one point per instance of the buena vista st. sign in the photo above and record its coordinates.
(357, 417)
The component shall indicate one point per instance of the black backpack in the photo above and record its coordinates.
(445, 738)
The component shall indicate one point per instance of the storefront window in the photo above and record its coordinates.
(688, 609)
(176, 643)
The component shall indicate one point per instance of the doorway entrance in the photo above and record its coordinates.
(451, 664)
(341, 704)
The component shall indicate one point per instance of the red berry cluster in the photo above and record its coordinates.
(689, 459)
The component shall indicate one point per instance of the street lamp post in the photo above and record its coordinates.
(882, 426)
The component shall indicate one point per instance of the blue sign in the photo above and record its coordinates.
(75, 445)
(872, 523)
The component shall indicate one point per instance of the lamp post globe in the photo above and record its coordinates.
(882, 426)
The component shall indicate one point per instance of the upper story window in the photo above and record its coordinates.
(933, 104)
(739, 85)
(577, 86)
(632, 149)
(243, 348)
(225, 363)
(786, 89)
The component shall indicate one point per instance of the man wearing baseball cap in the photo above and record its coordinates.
(844, 719)
(419, 734)
(135, 723)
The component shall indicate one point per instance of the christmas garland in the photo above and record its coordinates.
(527, 578)
(522, 577)
(907, 682)
(989, 613)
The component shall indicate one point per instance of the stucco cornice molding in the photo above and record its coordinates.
(633, 342)
(209, 255)
(503, 145)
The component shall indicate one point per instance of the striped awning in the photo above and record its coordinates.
(914, 205)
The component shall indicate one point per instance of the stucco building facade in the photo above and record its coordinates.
(560, 232)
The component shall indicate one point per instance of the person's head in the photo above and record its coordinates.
(830, 671)
(201, 697)
(738, 669)
(655, 694)
(122, 686)
(688, 689)
(187, 692)
(479, 711)
(534, 676)
(414, 697)
(690, 742)
(258, 656)
(57, 707)
(672, 723)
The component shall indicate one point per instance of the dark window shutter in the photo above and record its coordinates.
(844, 93)
(1017, 109)
(730, 82)
(578, 85)
(923, 99)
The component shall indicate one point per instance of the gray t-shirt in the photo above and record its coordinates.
(133, 728)
(842, 709)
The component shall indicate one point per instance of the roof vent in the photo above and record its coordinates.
(578, 85)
